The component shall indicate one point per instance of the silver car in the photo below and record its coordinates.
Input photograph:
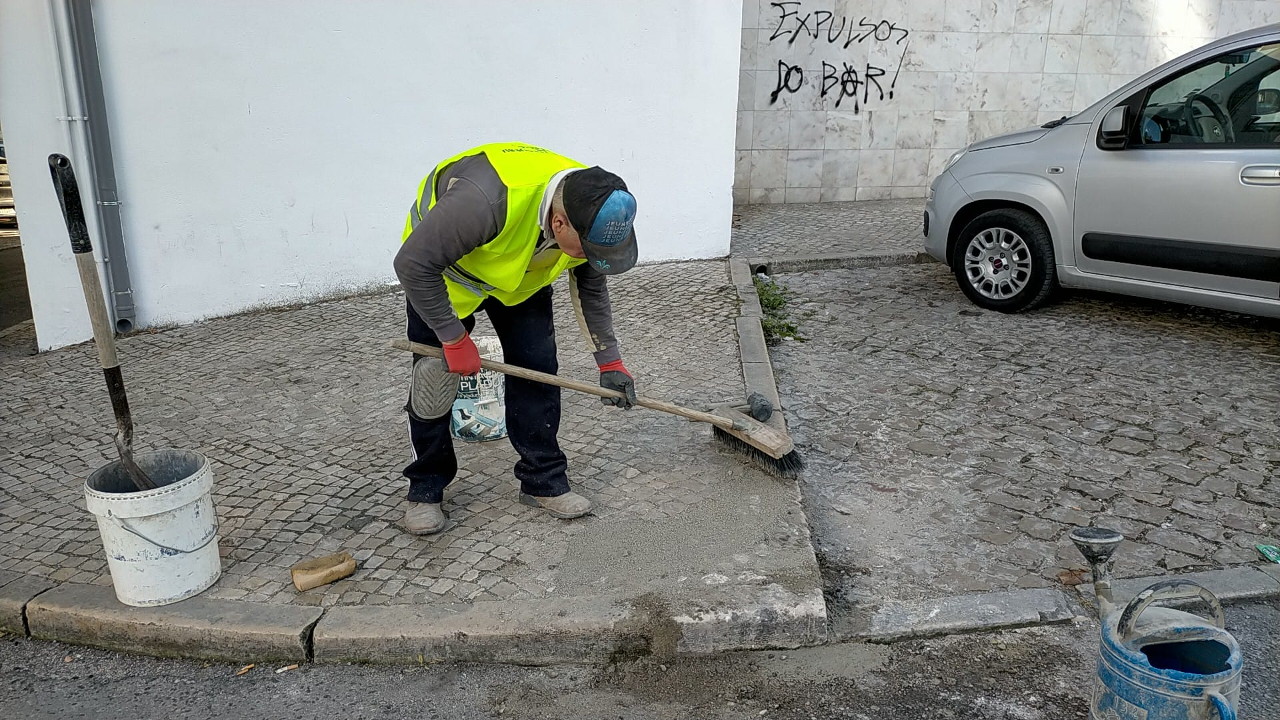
(1169, 188)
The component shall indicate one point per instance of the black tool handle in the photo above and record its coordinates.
(64, 183)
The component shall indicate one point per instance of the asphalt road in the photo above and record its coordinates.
(1029, 674)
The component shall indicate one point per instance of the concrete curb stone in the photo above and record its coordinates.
(752, 342)
(963, 613)
(764, 618)
(531, 632)
(757, 368)
(741, 277)
(844, 261)
(1272, 569)
(202, 628)
(16, 592)
(591, 629)
(1245, 582)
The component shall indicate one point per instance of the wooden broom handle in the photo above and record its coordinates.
(526, 374)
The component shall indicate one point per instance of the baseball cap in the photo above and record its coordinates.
(603, 212)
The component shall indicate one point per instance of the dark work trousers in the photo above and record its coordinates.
(528, 339)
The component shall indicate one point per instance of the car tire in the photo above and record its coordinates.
(1003, 260)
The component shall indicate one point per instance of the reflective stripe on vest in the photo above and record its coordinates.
(453, 272)
(504, 267)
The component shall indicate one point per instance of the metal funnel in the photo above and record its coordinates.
(1097, 545)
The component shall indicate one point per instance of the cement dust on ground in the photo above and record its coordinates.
(1033, 674)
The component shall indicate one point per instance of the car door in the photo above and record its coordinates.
(1186, 191)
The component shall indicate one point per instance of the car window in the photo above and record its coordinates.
(1233, 99)
(1268, 109)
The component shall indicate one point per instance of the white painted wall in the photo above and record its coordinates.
(31, 102)
(964, 69)
(268, 152)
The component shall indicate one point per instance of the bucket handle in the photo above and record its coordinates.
(1169, 590)
(177, 551)
(1225, 711)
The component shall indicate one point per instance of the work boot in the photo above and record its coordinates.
(566, 506)
(424, 518)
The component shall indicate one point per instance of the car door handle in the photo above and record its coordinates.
(1260, 175)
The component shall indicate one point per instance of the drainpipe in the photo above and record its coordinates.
(90, 144)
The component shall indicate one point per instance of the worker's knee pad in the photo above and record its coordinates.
(432, 389)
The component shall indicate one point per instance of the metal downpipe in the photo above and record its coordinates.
(86, 118)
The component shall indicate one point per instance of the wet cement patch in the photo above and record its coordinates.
(749, 531)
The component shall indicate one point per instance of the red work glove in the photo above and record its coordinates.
(614, 376)
(461, 356)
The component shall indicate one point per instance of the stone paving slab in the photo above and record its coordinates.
(300, 412)
(199, 627)
(951, 449)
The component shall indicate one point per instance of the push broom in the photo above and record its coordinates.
(769, 447)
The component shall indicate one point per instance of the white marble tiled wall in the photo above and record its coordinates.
(971, 69)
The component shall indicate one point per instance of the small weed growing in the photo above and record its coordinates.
(773, 301)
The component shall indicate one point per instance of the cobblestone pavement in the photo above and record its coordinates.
(826, 229)
(951, 449)
(300, 411)
(17, 341)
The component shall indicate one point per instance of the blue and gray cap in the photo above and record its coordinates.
(603, 212)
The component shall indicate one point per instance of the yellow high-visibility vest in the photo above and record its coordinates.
(504, 267)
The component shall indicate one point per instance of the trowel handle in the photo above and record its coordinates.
(1168, 590)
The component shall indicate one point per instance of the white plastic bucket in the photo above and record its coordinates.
(161, 544)
(480, 410)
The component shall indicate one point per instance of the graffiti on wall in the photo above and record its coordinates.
(847, 74)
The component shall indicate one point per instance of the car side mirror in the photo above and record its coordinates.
(1268, 102)
(1114, 134)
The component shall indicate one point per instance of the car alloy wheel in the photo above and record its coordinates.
(1003, 260)
(998, 263)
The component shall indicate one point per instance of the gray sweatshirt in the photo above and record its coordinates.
(470, 211)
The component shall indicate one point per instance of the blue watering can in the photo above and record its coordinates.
(1158, 663)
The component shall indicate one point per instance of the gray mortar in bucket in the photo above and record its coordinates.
(164, 467)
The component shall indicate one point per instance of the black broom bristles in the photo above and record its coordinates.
(787, 466)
